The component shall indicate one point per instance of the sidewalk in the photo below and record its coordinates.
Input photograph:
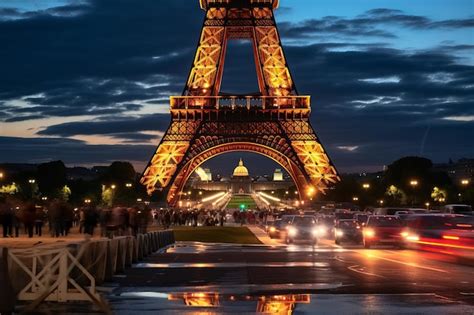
(262, 236)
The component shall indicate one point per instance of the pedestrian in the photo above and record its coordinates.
(39, 221)
(29, 217)
(90, 219)
(6, 216)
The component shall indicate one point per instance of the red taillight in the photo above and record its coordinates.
(451, 237)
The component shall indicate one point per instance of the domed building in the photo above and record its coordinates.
(241, 170)
(241, 183)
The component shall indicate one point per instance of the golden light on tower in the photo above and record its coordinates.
(198, 130)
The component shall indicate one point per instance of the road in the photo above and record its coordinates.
(326, 279)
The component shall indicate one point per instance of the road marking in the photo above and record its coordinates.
(405, 263)
(354, 268)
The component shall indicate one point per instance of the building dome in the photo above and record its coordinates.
(241, 170)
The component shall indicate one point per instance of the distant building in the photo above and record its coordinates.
(241, 181)
(278, 175)
(462, 169)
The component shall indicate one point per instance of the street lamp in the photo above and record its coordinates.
(381, 202)
(1, 175)
(366, 186)
(31, 181)
(87, 201)
(128, 185)
(200, 193)
(464, 182)
(113, 186)
(427, 205)
(139, 199)
(414, 183)
(44, 198)
(355, 199)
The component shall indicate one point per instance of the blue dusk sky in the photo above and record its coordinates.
(88, 81)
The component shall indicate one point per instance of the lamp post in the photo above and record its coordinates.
(2, 175)
(366, 186)
(128, 185)
(414, 183)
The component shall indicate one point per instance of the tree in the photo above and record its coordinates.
(439, 195)
(65, 193)
(107, 196)
(9, 189)
(51, 178)
(119, 173)
(396, 196)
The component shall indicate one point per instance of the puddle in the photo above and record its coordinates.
(148, 302)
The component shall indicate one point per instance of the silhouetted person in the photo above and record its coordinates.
(29, 217)
(6, 217)
(39, 221)
(90, 219)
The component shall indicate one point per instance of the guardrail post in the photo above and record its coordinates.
(7, 296)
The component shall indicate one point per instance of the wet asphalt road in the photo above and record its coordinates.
(335, 279)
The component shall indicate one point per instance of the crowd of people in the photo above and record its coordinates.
(59, 217)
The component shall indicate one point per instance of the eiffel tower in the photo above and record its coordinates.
(205, 123)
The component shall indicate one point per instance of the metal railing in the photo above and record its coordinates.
(234, 102)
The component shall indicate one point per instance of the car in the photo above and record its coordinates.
(434, 226)
(275, 228)
(304, 228)
(347, 230)
(383, 229)
(459, 209)
(343, 215)
(326, 225)
(361, 218)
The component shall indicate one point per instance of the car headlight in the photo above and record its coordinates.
(369, 233)
(412, 238)
(339, 233)
(272, 229)
(292, 231)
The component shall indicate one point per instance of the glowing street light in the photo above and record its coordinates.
(287, 192)
(139, 200)
(366, 186)
(414, 183)
(200, 193)
(464, 182)
(128, 185)
(113, 186)
(31, 181)
(87, 201)
(381, 202)
(44, 198)
(355, 199)
(1, 175)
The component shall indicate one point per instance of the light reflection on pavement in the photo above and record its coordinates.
(198, 278)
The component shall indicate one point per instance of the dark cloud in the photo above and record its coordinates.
(109, 59)
(370, 24)
(127, 125)
(94, 60)
(72, 152)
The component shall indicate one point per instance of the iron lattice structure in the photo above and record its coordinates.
(274, 123)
